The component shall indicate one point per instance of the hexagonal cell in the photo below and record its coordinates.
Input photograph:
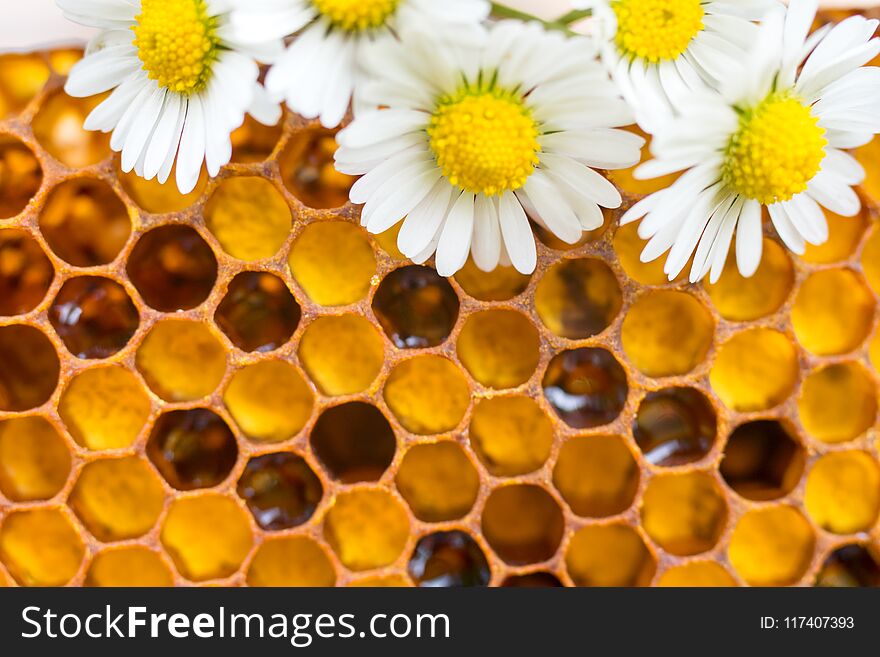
(697, 574)
(173, 268)
(596, 475)
(207, 536)
(181, 360)
(755, 370)
(427, 394)
(254, 142)
(258, 312)
(117, 498)
(833, 312)
(40, 547)
(280, 490)
(499, 347)
(871, 260)
(367, 528)
(626, 180)
(309, 173)
(869, 155)
(844, 235)
(25, 272)
(549, 239)
(129, 566)
(20, 176)
(511, 435)
(522, 523)
(843, 492)
(667, 333)
(29, 368)
(838, 402)
(448, 559)
(438, 481)
(85, 222)
(34, 460)
(21, 78)
(771, 546)
(333, 262)
(58, 126)
(416, 307)
(291, 561)
(269, 400)
(609, 555)
(629, 246)
(586, 387)
(578, 298)
(537, 580)
(342, 354)
(675, 426)
(157, 198)
(850, 566)
(63, 59)
(249, 217)
(354, 442)
(762, 461)
(501, 284)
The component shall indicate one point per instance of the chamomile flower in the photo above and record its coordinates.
(180, 82)
(465, 141)
(772, 138)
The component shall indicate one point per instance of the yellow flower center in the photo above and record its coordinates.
(776, 152)
(177, 43)
(656, 30)
(484, 140)
(357, 15)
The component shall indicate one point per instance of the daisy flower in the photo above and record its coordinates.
(772, 138)
(465, 141)
(181, 83)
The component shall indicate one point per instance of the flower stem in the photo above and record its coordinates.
(562, 23)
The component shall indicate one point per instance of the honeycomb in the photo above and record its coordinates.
(241, 387)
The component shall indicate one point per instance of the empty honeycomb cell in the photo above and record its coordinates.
(382, 581)
(20, 176)
(192, 448)
(280, 489)
(25, 272)
(158, 198)
(117, 498)
(500, 348)
(29, 368)
(522, 523)
(342, 354)
(586, 387)
(58, 126)
(181, 360)
(128, 566)
(40, 547)
(416, 307)
(173, 268)
(609, 555)
(697, 573)
(34, 460)
(771, 546)
(844, 235)
(675, 426)
(291, 561)
(578, 298)
(269, 400)
(258, 312)
(628, 247)
(755, 370)
(596, 475)
(762, 461)
(501, 284)
(427, 394)
(511, 435)
(254, 142)
(449, 559)
(871, 258)
(354, 442)
(22, 77)
(309, 173)
(249, 217)
(333, 262)
(833, 312)
(838, 402)
(367, 528)
(850, 566)
(843, 492)
(438, 481)
(207, 536)
(537, 580)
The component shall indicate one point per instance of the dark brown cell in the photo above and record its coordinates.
(539, 580)
(522, 523)
(449, 559)
(258, 312)
(25, 272)
(675, 426)
(29, 368)
(280, 490)
(586, 387)
(354, 442)
(308, 171)
(762, 461)
(850, 566)
(20, 176)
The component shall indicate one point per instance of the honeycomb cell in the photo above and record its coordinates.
(387, 241)
(40, 547)
(500, 348)
(207, 536)
(874, 353)
(850, 566)
(333, 262)
(85, 222)
(511, 435)
(578, 298)
(157, 198)
(367, 528)
(269, 400)
(63, 59)
(20, 176)
(25, 272)
(354, 442)
(762, 461)
(254, 142)
(249, 217)
(382, 581)
(596, 475)
(626, 180)
(838, 402)
(667, 333)
(522, 523)
(449, 559)
(586, 387)
(29, 368)
(501, 284)
(843, 492)
(869, 156)
(117, 498)
(416, 307)
(697, 573)
(173, 268)
(427, 394)
(93, 316)
(21, 78)
(844, 235)
(675, 426)
(291, 561)
(181, 360)
(258, 312)
(609, 555)
(309, 173)
(538, 580)
(129, 566)
(755, 370)
(192, 448)
(58, 126)
(871, 259)
(628, 247)
(342, 354)
(34, 461)
(771, 546)
(280, 490)
(833, 312)
(549, 239)
(438, 481)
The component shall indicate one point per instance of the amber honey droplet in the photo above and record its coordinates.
(586, 387)
(25, 273)
(850, 566)
(308, 171)
(258, 312)
(354, 442)
(762, 461)
(675, 426)
(537, 580)
(449, 559)
(20, 176)
(280, 490)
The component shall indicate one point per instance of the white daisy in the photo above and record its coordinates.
(181, 83)
(772, 137)
(469, 140)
